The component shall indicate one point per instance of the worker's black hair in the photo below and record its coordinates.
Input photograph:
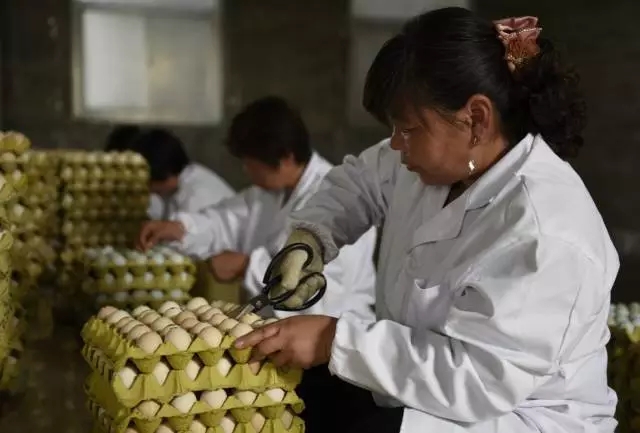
(268, 130)
(121, 138)
(443, 57)
(163, 151)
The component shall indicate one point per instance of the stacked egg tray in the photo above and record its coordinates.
(128, 278)
(12, 184)
(104, 197)
(175, 370)
(624, 364)
(35, 226)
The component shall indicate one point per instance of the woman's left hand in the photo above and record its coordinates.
(299, 341)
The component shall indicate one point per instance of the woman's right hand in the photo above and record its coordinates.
(154, 232)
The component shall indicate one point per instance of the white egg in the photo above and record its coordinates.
(109, 279)
(140, 294)
(192, 369)
(139, 310)
(149, 342)
(129, 326)
(228, 324)
(177, 294)
(120, 324)
(270, 321)
(161, 372)
(164, 428)
(179, 338)
(217, 319)
(240, 330)
(116, 317)
(148, 277)
(183, 316)
(148, 408)
(105, 312)
(201, 310)
(227, 424)
(119, 260)
(172, 312)
(197, 329)
(246, 397)
(166, 277)
(215, 399)
(121, 296)
(149, 318)
(137, 332)
(128, 278)
(157, 294)
(249, 318)
(158, 258)
(160, 323)
(224, 366)
(258, 421)
(128, 376)
(167, 306)
(276, 394)
(184, 402)
(198, 427)
(189, 323)
(287, 419)
(196, 303)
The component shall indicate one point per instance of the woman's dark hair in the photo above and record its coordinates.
(163, 151)
(443, 57)
(121, 138)
(268, 130)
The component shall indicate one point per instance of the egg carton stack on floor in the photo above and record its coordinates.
(175, 370)
(35, 227)
(104, 199)
(12, 185)
(624, 364)
(128, 278)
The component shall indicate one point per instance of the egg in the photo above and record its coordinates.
(129, 326)
(192, 369)
(270, 321)
(189, 323)
(164, 428)
(128, 430)
(179, 338)
(168, 329)
(241, 329)
(246, 397)
(161, 372)
(257, 421)
(105, 312)
(224, 366)
(287, 419)
(177, 294)
(157, 294)
(249, 318)
(160, 323)
(116, 317)
(172, 312)
(199, 327)
(119, 260)
(184, 402)
(123, 322)
(149, 318)
(128, 376)
(217, 319)
(184, 315)
(196, 303)
(254, 367)
(121, 297)
(158, 259)
(227, 424)
(139, 310)
(137, 332)
(218, 304)
(258, 324)
(197, 427)
(211, 336)
(149, 342)
(228, 307)
(215, 399)
(275, 394)
(227, 324)
(128, 278)
(167, 306)
(201, 310)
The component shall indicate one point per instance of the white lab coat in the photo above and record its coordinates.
(198, 189)
(254, 222)
(492, 311)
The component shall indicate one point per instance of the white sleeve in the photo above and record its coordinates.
(201, 197)
(215, 229)
(500, 342)
(156, 206)
(353, 197)
(348, 289)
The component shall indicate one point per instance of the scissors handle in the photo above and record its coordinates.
(314, 299)
(268, 280)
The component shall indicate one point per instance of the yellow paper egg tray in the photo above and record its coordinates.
(226, 402)
(140, 269)
(174, 282)
(134, 301)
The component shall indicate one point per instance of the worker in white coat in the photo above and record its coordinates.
(495, 267)
(177, 184)
(241, 234)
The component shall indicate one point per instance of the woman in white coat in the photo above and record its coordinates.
(495, 267)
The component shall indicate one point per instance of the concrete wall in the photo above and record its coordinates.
(299, 49)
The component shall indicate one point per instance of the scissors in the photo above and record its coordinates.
(277, 302)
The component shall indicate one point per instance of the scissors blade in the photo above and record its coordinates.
(256, 303)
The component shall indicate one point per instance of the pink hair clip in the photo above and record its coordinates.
(519, 35)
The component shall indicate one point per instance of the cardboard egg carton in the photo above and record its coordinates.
(12, 177)
(119, 262)
(179, 412)
(126, 167)
(131, 300)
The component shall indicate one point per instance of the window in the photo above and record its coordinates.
(373, 22)
(156, 61)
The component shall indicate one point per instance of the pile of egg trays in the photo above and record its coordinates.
(128, 278)
(35, 226)
(624, 364)
(104, 197)
(12, 184)
(175, 370)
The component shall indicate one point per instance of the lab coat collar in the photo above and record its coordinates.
(447, 222)
(185, 175)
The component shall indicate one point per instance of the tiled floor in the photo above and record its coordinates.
(53, 401)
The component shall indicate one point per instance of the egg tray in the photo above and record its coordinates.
(104, 425)
(133, 302)
(14, 142)
(120, 285)
(72, 200)
(98, 270)
(102, 395)
(146, 387)
(11, 187)
(104, 214)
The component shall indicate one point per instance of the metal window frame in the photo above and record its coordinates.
(147, 117)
